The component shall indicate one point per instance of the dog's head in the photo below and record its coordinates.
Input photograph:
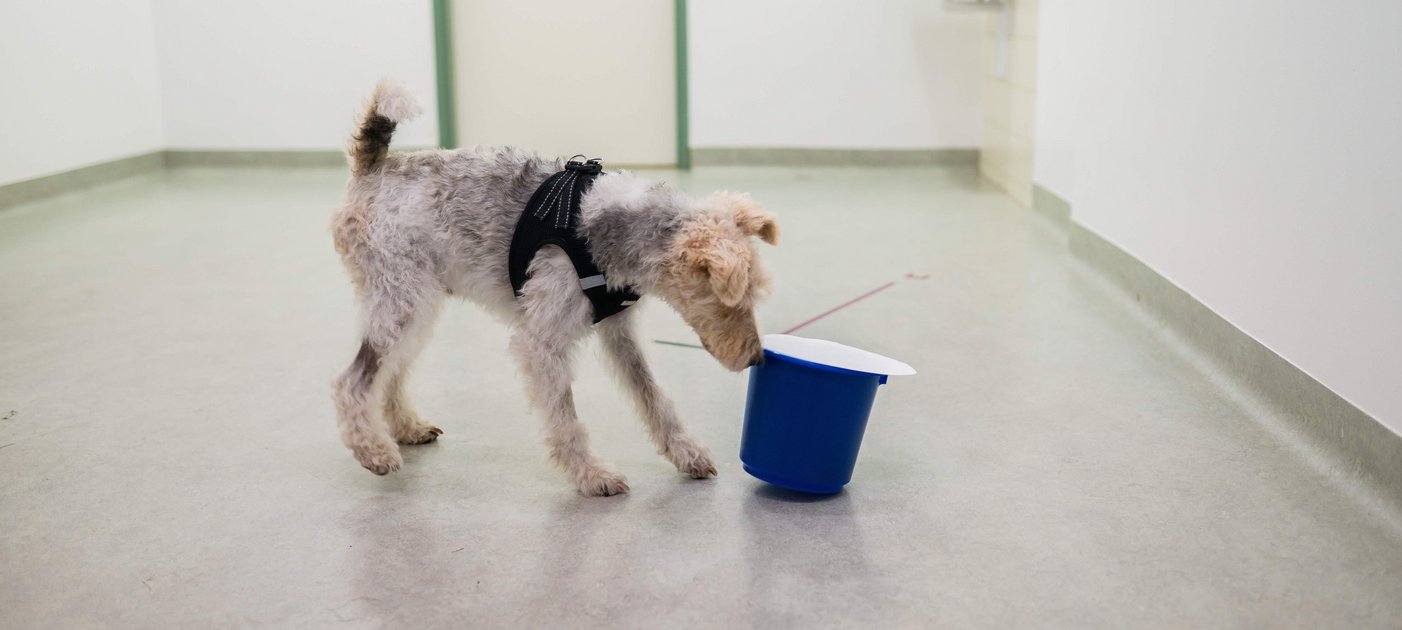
(713, 276)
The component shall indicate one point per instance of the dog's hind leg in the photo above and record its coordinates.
(555, 316)
(658, 413)
(401, 299)
(404, 423)
(363, 433)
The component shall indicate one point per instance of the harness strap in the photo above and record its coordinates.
(552, 217)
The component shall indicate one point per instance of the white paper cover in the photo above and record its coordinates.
(835, 354)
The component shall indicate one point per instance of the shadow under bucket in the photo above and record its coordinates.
(807, 409)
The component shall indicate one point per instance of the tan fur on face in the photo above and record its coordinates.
(715, 278)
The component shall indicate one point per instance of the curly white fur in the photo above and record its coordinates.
(417, 227)
(395, 102)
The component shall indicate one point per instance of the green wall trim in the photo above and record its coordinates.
(798, 156)
(1351, 445)
(683, 95)
(443, 65)
(36, 188)
(153, 162)
(1051, 206)
(265, 158)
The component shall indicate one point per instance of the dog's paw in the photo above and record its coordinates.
(601, 482)
(380, 459)
(690, 457)
(407, 428)
(418, 433)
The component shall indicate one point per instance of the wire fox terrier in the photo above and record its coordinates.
(415, 227)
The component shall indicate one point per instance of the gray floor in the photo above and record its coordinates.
(168, 455)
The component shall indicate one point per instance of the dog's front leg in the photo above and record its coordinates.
(555, 316)
(548, 380)
(658, 413)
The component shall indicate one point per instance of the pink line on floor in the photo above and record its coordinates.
(842, 306)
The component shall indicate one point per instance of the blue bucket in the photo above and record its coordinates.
(807, 409)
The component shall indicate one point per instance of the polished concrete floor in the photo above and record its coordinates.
(168, 455)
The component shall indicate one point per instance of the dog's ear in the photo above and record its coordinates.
(725, 263)
(730, 273)
(752, 218)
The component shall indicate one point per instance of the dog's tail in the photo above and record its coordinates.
(389, 105)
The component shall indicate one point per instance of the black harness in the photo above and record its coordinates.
(551, 217)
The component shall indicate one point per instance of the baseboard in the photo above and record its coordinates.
(747, 156)
(87, 176)
(317, 158)
(1345, 439)
(1049, 205)
(33, 189)
(308, 158)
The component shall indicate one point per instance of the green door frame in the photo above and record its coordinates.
(447, 107)
(683, 92)
(443, 68)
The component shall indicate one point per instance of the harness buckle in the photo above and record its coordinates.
(589, 167)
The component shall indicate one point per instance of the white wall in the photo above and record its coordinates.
(1057, 104)
(1249, 151)
(79, 83)
(1009, 98)
(271, 74)
(840, 73)
(562, 76)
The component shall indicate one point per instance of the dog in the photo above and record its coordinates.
(417, 227)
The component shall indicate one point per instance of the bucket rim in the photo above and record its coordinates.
(821, 366)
